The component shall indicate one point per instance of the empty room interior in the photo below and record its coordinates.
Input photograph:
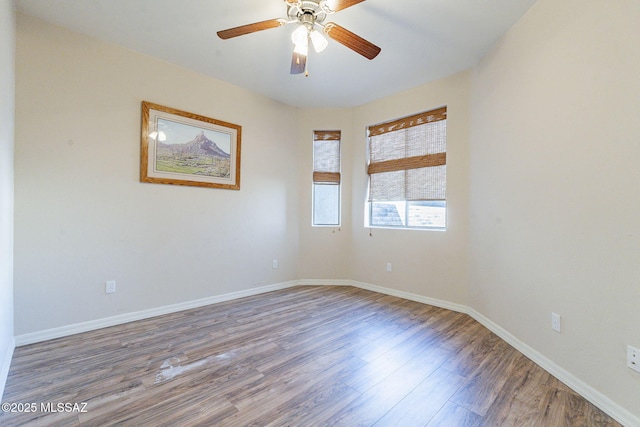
(486, 272)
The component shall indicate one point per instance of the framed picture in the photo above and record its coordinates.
(182, 148)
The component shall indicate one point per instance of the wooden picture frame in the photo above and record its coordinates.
(183, 148)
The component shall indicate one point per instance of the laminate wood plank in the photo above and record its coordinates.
(423, 352)
(452, 415)
(333, 315)
(308, 355)
(394, 337)
(462, 333)
(447, 322)
(372, 373)
(521, 399)
(382, 397)
(171, 407)
(467, 358)
(132, 405)
(316, 406)
(280, 392)
(309, 330)
(424, 402)
(51, 420)
(565, 407)
(308, 352)
(320, 364)
(485, 384)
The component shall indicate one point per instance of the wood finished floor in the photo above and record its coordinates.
(305, 356)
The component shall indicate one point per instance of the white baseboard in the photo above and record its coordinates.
(611, 408)
(323, 282)
(410, 296)
(5, 364)
(614, 410)
(92, 325)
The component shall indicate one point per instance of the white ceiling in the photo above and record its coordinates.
(421, 41)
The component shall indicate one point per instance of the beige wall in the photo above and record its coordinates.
(542, 189)
(325, 251)
(429, 263)
(83, 217)
(109, 224)
(7, 87)
(555, 188)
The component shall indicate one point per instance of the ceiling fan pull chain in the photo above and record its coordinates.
(306, 63)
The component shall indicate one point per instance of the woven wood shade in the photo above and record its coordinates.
(408, 159)
(326, 157)
(409, 163)
(326, 135)
(326, 177)
(406, 122)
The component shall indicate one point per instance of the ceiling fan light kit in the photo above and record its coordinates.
(318, 41)
(310, 15)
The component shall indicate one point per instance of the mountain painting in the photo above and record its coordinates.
(199, 156)
(182, 148)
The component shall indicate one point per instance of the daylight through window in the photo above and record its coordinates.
(408, 171)
(326, 178)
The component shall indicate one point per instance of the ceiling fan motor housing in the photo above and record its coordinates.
(308, 12)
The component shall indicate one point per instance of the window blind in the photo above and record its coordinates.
(408, 158)
(326, 157)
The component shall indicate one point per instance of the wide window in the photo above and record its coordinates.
(326, 178)
(408, 171)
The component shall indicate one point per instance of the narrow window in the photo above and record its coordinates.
(326, 178)
(408, 171)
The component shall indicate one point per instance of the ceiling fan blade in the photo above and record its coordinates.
(337, 5)
(351, 40)
(250, 28)
(298, 63)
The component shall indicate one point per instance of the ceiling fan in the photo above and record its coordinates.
(310, 15)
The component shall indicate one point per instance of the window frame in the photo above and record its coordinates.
(404, 123)
(325, 177)
(313, 202)
(369, 217)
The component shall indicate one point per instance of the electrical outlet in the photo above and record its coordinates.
(110, 286)
(388, 266)
(633, 358)
(555, 322)
(274, 263)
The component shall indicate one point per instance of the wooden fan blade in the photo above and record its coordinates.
(337, 5)
(298, 63)
(351, 40)
(250, 28)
